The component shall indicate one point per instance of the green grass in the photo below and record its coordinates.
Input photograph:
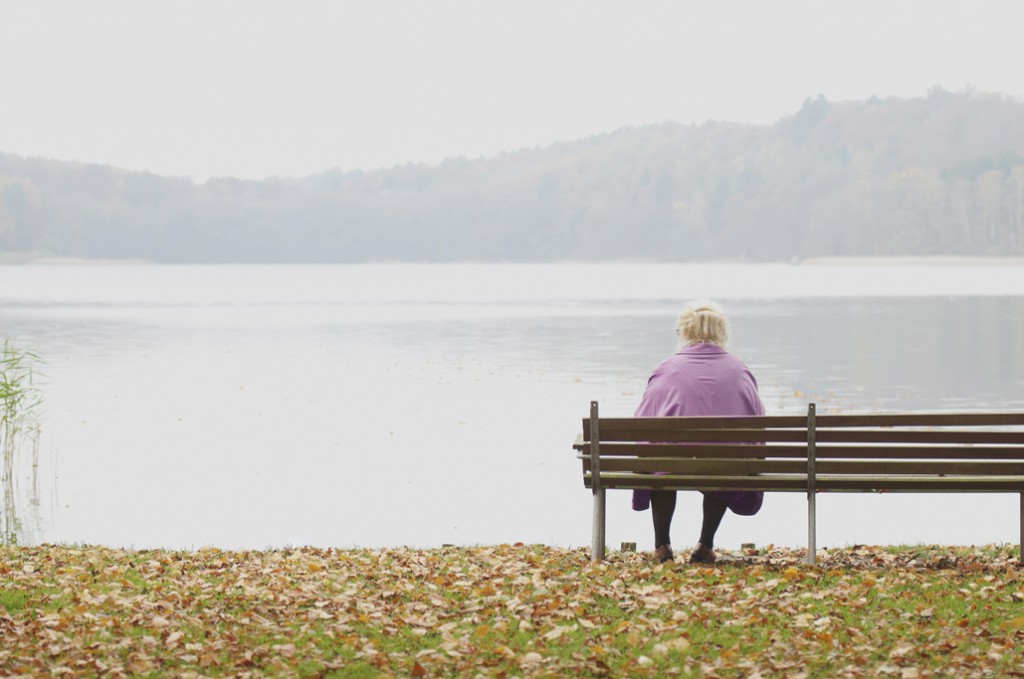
(507, 610)
(12, 600)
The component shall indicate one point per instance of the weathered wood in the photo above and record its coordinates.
(656, 424)
(798, 482)
(919, 453)
(695, 450)
(823, 435)
(732, 467)
(740, 466)
(695, 482)
(896, 467)
(878, 451)
(916, 452)
(934, 437)
(894, 484)
(652, 424)
(623, 434)
(921, 420)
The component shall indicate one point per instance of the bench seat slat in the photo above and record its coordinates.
(788, 482)
(719, 467)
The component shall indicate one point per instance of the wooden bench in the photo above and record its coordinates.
(913, 452)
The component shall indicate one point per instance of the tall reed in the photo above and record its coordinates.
(20, 401)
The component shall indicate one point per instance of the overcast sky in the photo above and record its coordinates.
(254, 88)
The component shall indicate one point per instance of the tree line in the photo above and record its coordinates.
(941, 174)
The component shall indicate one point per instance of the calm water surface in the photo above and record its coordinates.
(377, 405)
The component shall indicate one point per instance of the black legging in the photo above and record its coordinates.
(663, 506)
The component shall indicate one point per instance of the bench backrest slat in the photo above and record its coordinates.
(823, 436)
(703, 435)
(706, 467)
(825, 467)
(918, 452)
(710, 451)
(921, 420)
(691, 450)
(918, 436)
(654, 424)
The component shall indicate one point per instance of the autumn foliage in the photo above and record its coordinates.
(508, 611)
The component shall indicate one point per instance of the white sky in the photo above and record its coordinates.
(253, 88)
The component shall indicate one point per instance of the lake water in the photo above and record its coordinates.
(384, 405)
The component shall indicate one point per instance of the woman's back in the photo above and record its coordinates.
(702, 379)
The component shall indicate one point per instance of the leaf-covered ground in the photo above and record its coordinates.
(509, 611)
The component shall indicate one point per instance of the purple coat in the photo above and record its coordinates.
(702, 379)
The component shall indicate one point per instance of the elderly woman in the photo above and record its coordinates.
(701, 379)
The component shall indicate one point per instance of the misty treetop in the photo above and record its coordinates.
(942, 174)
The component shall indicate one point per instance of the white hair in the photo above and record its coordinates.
(702, 321)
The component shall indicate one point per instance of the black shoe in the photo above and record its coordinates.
(663, 554)
(703, 555)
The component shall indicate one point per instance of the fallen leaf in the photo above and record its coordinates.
(532, 658)
(678, 644)
(803, 620)
(1016, 623)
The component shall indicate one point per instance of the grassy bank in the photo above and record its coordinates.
(508, 611)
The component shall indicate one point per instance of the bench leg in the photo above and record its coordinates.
(597, 539)
(812, 547)
(1020, 545)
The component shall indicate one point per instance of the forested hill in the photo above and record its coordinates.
(942, 174)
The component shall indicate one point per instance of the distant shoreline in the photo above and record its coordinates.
(37, 259)
(83, 261)
(29, 259)
(912, 260)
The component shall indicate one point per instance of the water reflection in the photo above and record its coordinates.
(848, 355)
(20, 400)
(324, 421)
(21, 521)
